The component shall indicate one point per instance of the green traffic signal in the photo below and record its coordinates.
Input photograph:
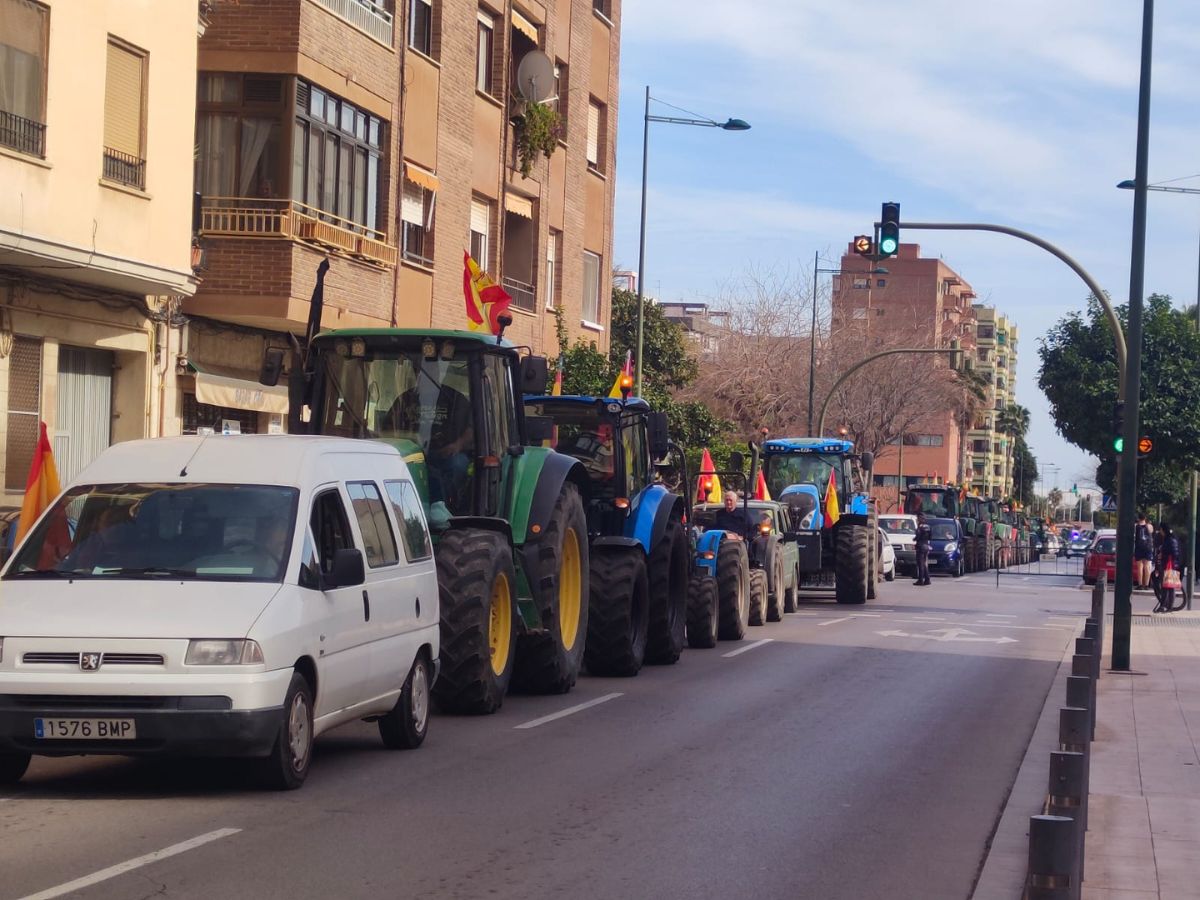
(1119, 444)
(888, 245)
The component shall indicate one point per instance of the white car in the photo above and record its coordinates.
(220, 596)
(887, 557)
(901, 533)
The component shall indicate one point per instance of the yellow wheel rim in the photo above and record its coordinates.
(500, 624)
(570, 589)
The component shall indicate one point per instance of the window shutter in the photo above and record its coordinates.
(123, 101)
(412, 205)
(23, 26)
(479, 217)
(593, 134)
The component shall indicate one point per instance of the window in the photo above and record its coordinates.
(591, 287)
(481, 217)
(603, 7)
(420, 26)
(413, 531)
(124, 111)
(861, 283)
(416, 214)
(373, 524)
(24, 410)
(336, 152)
(483, 52)
(595, 135)
(239, 128)
(986, 332)
(562, 87)
(214, 418)
(330, 528)
(24, 27)
(879, 311)
(553, 243)
(881, 282)
(637, 456)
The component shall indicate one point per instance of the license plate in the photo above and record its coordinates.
(85, 729)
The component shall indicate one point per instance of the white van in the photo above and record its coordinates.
(220, 596)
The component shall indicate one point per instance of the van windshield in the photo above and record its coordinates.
(197, 532)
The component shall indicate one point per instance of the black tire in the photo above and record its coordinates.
(959, 570)
(404, 727)
(702, 613)
(287, 765)
(853, 555)
(477, 587)
(733, 590)
(758, 597)
(13, 766)
(616, 636)
(890, 576)
(548, 662)
(776, 586)
(873, 562)
(668, 574)
(791, 595)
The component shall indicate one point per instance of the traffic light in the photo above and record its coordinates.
(863, 245)
(889, 230)
(1145, 446)
(1118, 425)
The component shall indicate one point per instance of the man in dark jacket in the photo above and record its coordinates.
(923, 542)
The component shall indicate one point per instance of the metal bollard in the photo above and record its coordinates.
(1091, 630)
(1087, 647)
(1074, 729)
(1068, 789)
(1053, 859)
(1082, 666)
(1081, 692)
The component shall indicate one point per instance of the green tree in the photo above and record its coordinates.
(1079, 377)
(1025, 472)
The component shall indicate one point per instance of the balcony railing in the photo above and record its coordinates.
(253, 217)
(124, 168)
(365, 15)
(22, 135)
(524, 295)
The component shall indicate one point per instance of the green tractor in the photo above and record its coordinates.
(510, 531)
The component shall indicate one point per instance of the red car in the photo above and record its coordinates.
(1101, 557)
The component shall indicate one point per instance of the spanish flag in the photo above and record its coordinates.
(485, 299)
(556, 390)
(624, 376)
(708, 485)
(41, 487)
(832, 512)
(760, 488)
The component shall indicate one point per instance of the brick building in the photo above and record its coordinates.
(382, 134)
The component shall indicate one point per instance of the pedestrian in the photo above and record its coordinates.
(924, 539)
(1143, 550)
(1169, 568)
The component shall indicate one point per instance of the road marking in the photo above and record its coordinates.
(569, 711)
(747, 648)
(999, 616)
(957, 635)
(865, 615)
(926, 619)
(833, 621)
(121, 868)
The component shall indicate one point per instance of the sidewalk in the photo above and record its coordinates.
(1143, 838)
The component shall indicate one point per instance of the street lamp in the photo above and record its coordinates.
(1129, 185)
(812, 335)
(727, 125)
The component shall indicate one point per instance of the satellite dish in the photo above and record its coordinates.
(535, 76)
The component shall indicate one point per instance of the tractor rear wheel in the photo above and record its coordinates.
(616, 635)
(853, 556)
(792, 594)
(776, 586)
(548, 661)
(702, 613)
(477, 586)
(668, 576)
(733, 590)
(758, 597)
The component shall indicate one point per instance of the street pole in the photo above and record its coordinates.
(900, 476)
(1191, 550)
(641, 312)
(1127, 466)
(812, 342)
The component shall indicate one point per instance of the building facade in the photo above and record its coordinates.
(991, 450)
(704, 326)
(96, 150)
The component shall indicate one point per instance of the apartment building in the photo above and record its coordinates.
(704, 326)
(387, 137)
(920, 302)
(96, 125)
(991, 450)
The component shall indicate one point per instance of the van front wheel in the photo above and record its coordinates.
(287, 766)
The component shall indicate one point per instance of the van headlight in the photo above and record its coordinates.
(208, 652)
(951, 547)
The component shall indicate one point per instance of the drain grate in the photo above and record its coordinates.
(1166, 620)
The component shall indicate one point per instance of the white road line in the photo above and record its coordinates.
(121, 868)
(926, 619)
(747, 648)
(569, 711)
(864, 615)
(999, 616)
(1008, 625)
(834, 621)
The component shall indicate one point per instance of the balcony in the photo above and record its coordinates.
(524, 296)
(124, 168)
(287, 219)
(366, 15)
(23, 135)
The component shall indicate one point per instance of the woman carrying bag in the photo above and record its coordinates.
(1169, 567)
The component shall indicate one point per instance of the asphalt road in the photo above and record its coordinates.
(861, 752)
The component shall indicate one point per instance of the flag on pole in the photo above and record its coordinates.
(760, 488)
(708, 485)
(832, 511)
(556, 390)
(42, 485)
(622, 376)
(485, 299)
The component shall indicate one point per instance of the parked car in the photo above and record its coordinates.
(1101, 557)
(1080, 543)
(221, 596)
(945, 550)
(887, 556)
(901, 532)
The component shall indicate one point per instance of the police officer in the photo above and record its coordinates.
(924, 539)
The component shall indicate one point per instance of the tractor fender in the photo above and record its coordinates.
(649, 514)
(859, 505)
(707, 546)
(484, 523)
(613, 540)
(536, 480)
(854, 518)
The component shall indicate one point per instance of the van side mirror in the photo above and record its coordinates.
(658, 434)
(737, 462)
(272, 366)
(534, 374)
(348, 569)
(539, 428)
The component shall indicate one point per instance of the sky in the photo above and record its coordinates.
(1022, 113)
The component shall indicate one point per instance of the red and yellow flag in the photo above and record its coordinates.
(760, 488)
(832, 511)
(708, 485)
(42, 485)
(556, 390)
(624, 377)
(485, 299)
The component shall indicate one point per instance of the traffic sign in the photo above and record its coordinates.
(1145, 445)
(1109, 504)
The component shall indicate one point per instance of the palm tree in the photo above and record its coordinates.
(1012, 421)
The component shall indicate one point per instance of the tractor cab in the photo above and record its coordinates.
(937, 501)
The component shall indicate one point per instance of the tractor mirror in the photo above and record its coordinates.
(272, 366)
(656, 426)
(539, 429)
(868, 461)
(534, 375)
(737, 462)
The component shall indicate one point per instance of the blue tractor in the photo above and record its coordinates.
(640, 547)
(839, 552)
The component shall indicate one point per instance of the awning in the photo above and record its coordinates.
(524, 26)
(237, 389)
(518, 205)
(417, 175)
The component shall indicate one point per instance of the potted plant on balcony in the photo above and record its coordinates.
(537, 129)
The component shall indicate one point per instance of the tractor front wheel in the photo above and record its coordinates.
(702, 613)
(616, 637)
(853, 558)
(733, 590)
